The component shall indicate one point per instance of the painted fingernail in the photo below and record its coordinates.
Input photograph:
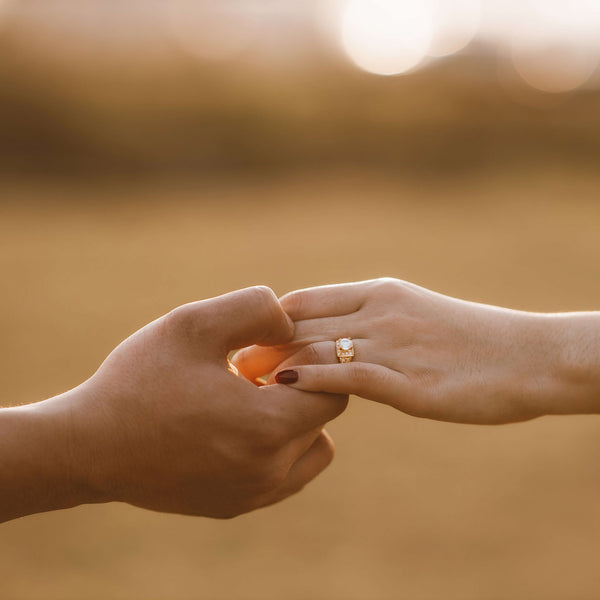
(287, 377)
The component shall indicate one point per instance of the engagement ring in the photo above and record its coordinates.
(344, 348)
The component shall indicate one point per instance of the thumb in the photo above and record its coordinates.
(249, 316)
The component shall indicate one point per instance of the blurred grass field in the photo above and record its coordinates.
(409, 508)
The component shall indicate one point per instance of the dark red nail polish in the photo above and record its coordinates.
(287, 377)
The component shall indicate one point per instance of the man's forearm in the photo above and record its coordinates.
(39, 469)
(164, 423)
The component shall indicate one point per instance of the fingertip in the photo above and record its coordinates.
(289, 323)
(237, 356)
(283, 329)
(241, 361)
(287, 376)
(263, 301)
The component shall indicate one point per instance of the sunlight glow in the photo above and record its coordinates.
(555, 68)
(387, 37)
(455, 25)
(557, 46)
(212, 30)
(554, 45)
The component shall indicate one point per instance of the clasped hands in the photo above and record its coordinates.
(167, 423)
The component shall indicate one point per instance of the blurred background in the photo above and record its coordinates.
(161, 151)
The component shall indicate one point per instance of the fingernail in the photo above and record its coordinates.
(287, 377)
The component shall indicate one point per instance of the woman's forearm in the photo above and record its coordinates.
(574, 338)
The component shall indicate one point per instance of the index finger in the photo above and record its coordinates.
(325, 301)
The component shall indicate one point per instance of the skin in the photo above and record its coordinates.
(434, 356)
(165, 424)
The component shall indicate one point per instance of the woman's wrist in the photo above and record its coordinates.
(569, 380)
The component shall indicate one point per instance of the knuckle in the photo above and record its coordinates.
(271, 435)
(266, 290)
(184, 318)
(360, 375)
(262, 294)
(263, 300)
(179, 314)
(309, 355)
(274, 476)
(264, 465)
(387, 286)
(268, 476)
(320, 380)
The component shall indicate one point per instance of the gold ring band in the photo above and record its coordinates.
(344, 349)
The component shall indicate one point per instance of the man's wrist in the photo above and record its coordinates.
(86, 445)
(45, 463)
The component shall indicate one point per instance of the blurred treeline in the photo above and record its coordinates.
(177, 115)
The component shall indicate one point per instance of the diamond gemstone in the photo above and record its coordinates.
(345, 344)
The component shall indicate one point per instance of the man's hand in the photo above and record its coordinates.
(164, 424)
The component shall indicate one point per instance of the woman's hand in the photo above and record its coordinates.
(434, 356)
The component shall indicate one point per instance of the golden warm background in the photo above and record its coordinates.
(133, 181)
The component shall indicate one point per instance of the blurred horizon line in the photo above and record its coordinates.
(181, 117)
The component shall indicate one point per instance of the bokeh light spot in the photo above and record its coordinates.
(556, 46)
(455, 23)
(212, 30)
(387, 37)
